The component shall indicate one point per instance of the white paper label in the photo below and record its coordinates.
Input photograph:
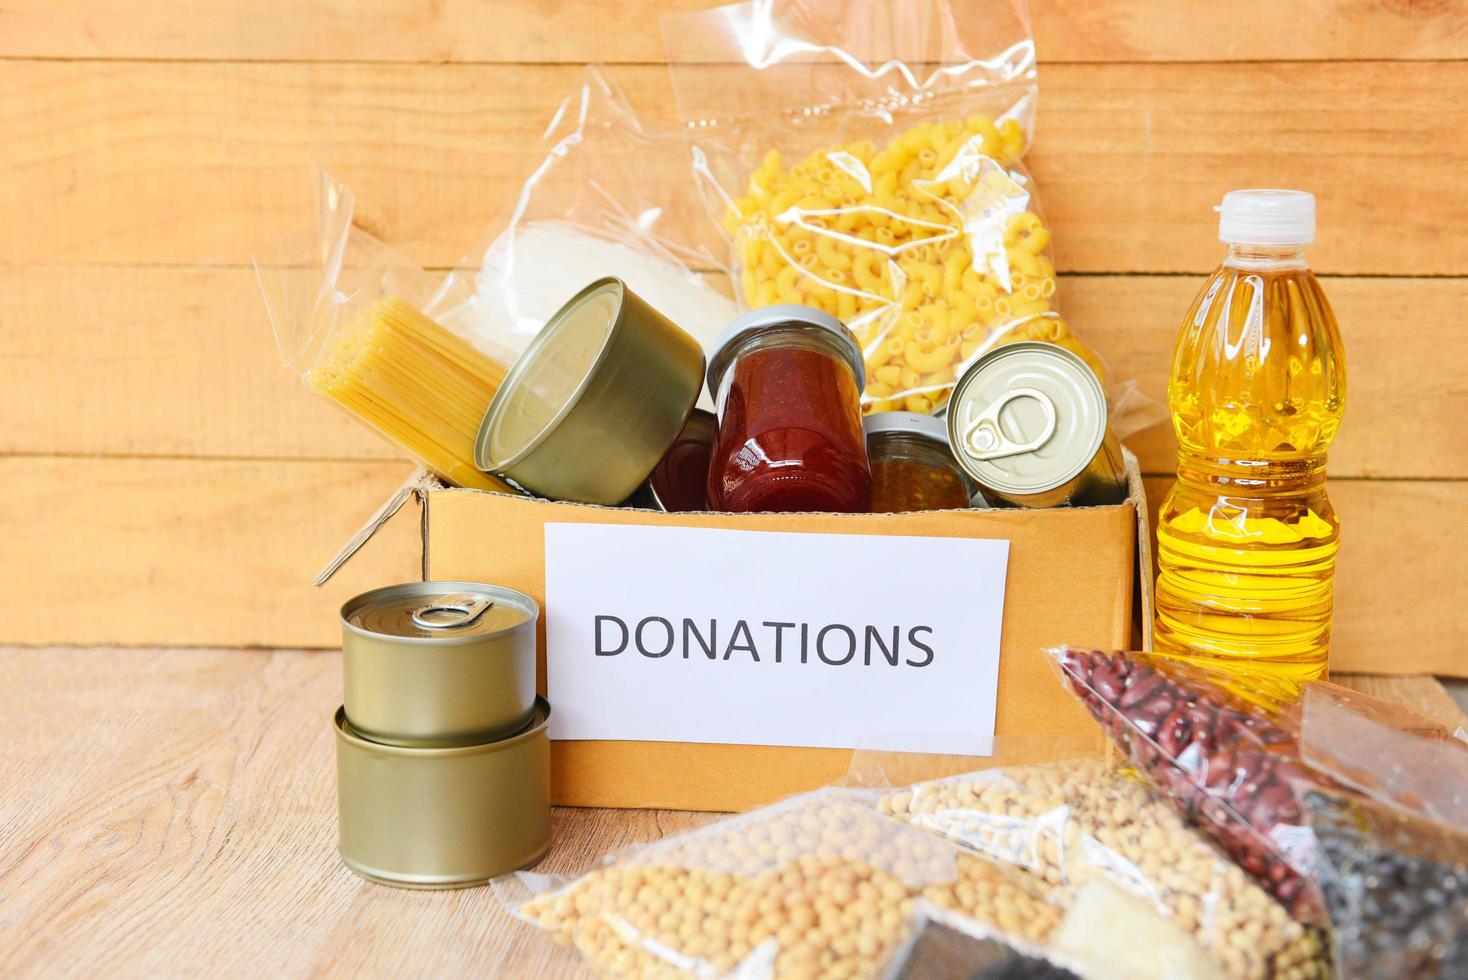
(772, 638)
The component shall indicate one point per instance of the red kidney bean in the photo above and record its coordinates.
(1136, 693)
(1228, 766)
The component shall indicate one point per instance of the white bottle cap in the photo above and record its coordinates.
(1266, 217)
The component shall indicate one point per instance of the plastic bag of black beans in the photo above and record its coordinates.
(1395, 886)
(819, 885)
(1230, 766)
(1078, 822)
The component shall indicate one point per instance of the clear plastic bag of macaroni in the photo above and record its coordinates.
(864, 157)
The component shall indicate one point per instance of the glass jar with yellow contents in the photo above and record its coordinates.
(912, 467)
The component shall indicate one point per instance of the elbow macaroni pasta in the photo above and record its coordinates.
(927, 247)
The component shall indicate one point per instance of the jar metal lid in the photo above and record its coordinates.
(771, 318)
(907, 423)
(1026, 418)
(439, 612)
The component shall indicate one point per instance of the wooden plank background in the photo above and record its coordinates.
(163, 481)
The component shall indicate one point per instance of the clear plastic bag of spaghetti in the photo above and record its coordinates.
(864, 157)
(349, 318)
(610, 196)
(819, 885)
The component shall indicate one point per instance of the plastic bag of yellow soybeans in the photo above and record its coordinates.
(1074, 823)
(819, 885)
(863, 157)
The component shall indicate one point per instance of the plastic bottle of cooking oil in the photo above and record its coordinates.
(1247, 539)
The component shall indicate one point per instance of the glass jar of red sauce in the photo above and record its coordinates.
(787, 381)
(913, 467)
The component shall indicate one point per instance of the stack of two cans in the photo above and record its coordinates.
(443, 758)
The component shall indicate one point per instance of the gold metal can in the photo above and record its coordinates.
(594, 402)
(439, 663)
(443, 817)
(1028, 421)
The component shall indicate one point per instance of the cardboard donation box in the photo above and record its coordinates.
(720, 661)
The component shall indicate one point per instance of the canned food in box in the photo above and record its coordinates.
(595, 400)
(1028, 421)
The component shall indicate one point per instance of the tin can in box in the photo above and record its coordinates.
(594, 402)
(1028, 422)
(418, 817)
(439, 663)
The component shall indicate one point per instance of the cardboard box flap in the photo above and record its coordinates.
(1137, 494)
(416, 485)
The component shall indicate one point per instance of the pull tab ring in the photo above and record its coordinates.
(467, 607)
(984, 440)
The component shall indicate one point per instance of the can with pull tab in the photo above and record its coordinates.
(439, 663)
(1028, 422)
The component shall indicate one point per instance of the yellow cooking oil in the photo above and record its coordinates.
(1247, 538)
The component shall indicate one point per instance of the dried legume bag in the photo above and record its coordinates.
(1078, 822)
(1229, 765)
(1395, 887)
(820, 885)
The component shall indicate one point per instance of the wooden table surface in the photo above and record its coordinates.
(173, 812)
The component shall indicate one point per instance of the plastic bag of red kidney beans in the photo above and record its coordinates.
(1231, 766)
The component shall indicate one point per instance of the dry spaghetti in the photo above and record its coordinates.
(414, 383)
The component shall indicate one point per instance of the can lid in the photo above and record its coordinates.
(906, 423)
(550, 376)
(430, 611)
(1264, 216)
(1026, 418)
(773, 317)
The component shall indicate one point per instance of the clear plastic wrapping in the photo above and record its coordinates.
(863, 157)
(1079, 822)
(609, 197)
(1385, 751)
(1230, 766)
(1395, 886)
(818, 885)
(348, 315)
